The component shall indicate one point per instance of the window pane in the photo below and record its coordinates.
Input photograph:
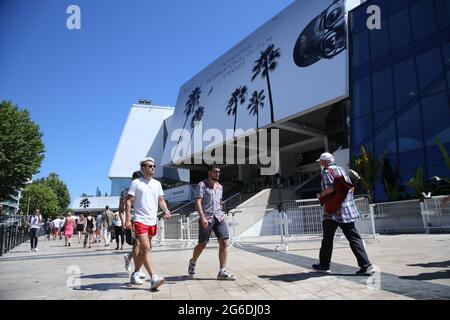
(361, 97)
(436, 118)
(379, 40)
(431, 72)
(400, 33)
(409, 129)
(439, 171)
(385, 141)
(382, 117)
(434, 155)
(410, 160)
(423, 20)
(382, 90)
(446, 50)
(360, 48)
(443, 12)
(405, 84)
(396, 6)
(361, 130)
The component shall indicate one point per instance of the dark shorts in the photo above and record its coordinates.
(220, 230)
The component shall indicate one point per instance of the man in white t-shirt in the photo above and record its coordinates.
(147, 194)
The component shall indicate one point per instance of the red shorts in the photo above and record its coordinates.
(140, 228)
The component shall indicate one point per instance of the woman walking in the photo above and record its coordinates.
(118, 230)
(80, 226)
(68, 228)
(90, 229)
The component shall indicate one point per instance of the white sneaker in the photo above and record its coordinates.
(141, 275)
(36, 250)
(127, 263)
(156, 282)
(135, 278)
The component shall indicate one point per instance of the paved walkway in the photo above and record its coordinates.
(411, 267)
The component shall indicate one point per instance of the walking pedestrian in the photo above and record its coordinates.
(107, 225)
(130, 233)
(118, 231)
(344, 218)
(55, 227)
(147, 194)
(209, 206)
(80, 226)
(34, 223)
(89, 227)
(68, 228)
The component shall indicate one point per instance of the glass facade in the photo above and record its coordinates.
(400, 86)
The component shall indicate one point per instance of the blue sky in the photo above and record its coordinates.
(80, 84)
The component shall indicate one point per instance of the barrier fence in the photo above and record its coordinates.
(277, 222)
(12, 234)
(435, 215)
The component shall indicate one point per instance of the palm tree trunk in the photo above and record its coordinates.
(235, 118)
(179, 138)
(272, 118)
(257, 119)
(189, 145)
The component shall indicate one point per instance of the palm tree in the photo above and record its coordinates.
(267, 63)
(191, 103)
(196, 118)
(367, 168)
(238, 96)
(85, 203)
(256, 101)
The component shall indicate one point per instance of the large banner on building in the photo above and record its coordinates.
(293, 63)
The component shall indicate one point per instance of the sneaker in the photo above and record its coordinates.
(225, 275)
(191, 268)
(135, 278)
(321, 268)
(366, 271)
(141, 275)
(36, 250)
(156, 282)
(127, 263)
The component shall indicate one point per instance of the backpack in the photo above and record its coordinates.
(333, 201)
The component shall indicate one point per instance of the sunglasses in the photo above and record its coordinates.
(216, 171)
(151, 166)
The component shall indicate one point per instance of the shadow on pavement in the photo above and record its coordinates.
(105, 275)
(441, 264)
(292, 277)
(429, 276)
(109, 286)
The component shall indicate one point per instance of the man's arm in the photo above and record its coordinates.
(122, 210)
(163, 205)
(128, 211)
(328, 181)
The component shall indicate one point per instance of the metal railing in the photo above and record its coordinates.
(398, 217)
(435, 215)
(12, 235)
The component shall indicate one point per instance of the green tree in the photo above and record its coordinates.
(38, 195)
(367, 168)
(391, 180)
(21, 148)
(59, 188)
(418, 183)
